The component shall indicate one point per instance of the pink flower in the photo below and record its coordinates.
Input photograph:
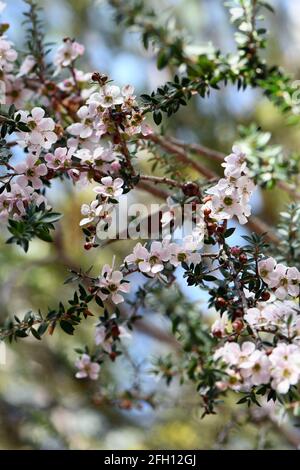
(139, 257)
(91, 212)
(110, 284)
(87, 368)
(41, 133)
(16, 92)
(67, 53)
(60, 159)
(31, 171)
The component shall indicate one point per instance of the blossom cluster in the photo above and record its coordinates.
(283, 280)
(247, 366)
(152, 261)
(231, 195)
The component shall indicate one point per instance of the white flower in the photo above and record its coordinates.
(285, 360)
(67, 53)
(85, 128)
(187, 252)
(7, 55)
(110, 284)
(234, 354)
(235, 164)
(91, 212)
(256, 368)
(286, 281)
(226, 202)
(260, 316)
(109, 187)
(140, 257)
(87, 368)
(31, 171)
(110, 95)
(266, 269)
(41, 133)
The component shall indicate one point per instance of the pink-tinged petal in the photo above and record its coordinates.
(51, 137)
(116, 277)
(144, 267)
(118, 192)
(75, 129)
(31, 160)
(118, 182)
(22, 180)
(21, 167)
(107, 180)
(41, 170)
(83, 112)
(37, 113)
(36, 182)
(47, 124)
(86, 132)
(248, 347)
(36, 138)
(117, 298)
(281, 293)
(125, 287)
(157, 268)
(146, 129)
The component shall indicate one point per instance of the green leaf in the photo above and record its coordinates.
(67, 327)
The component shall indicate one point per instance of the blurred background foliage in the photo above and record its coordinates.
(42, 405)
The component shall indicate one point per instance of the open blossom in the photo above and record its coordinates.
(41, 133)
(285, 360)
(110, 283)
(91, 212)
(109, 95)
(185, 253)
(234, 354)
(266, 269)
(86, 127)
(61, 158)
(231, 195)
(235, 164)
(285, 281)
(109, 187)
(87, 368)
(8, 55)
(30, 171)
(256, 368)
(67, 53)
(226, 202)
(139, 257)
(16, 91)
(12, 203)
